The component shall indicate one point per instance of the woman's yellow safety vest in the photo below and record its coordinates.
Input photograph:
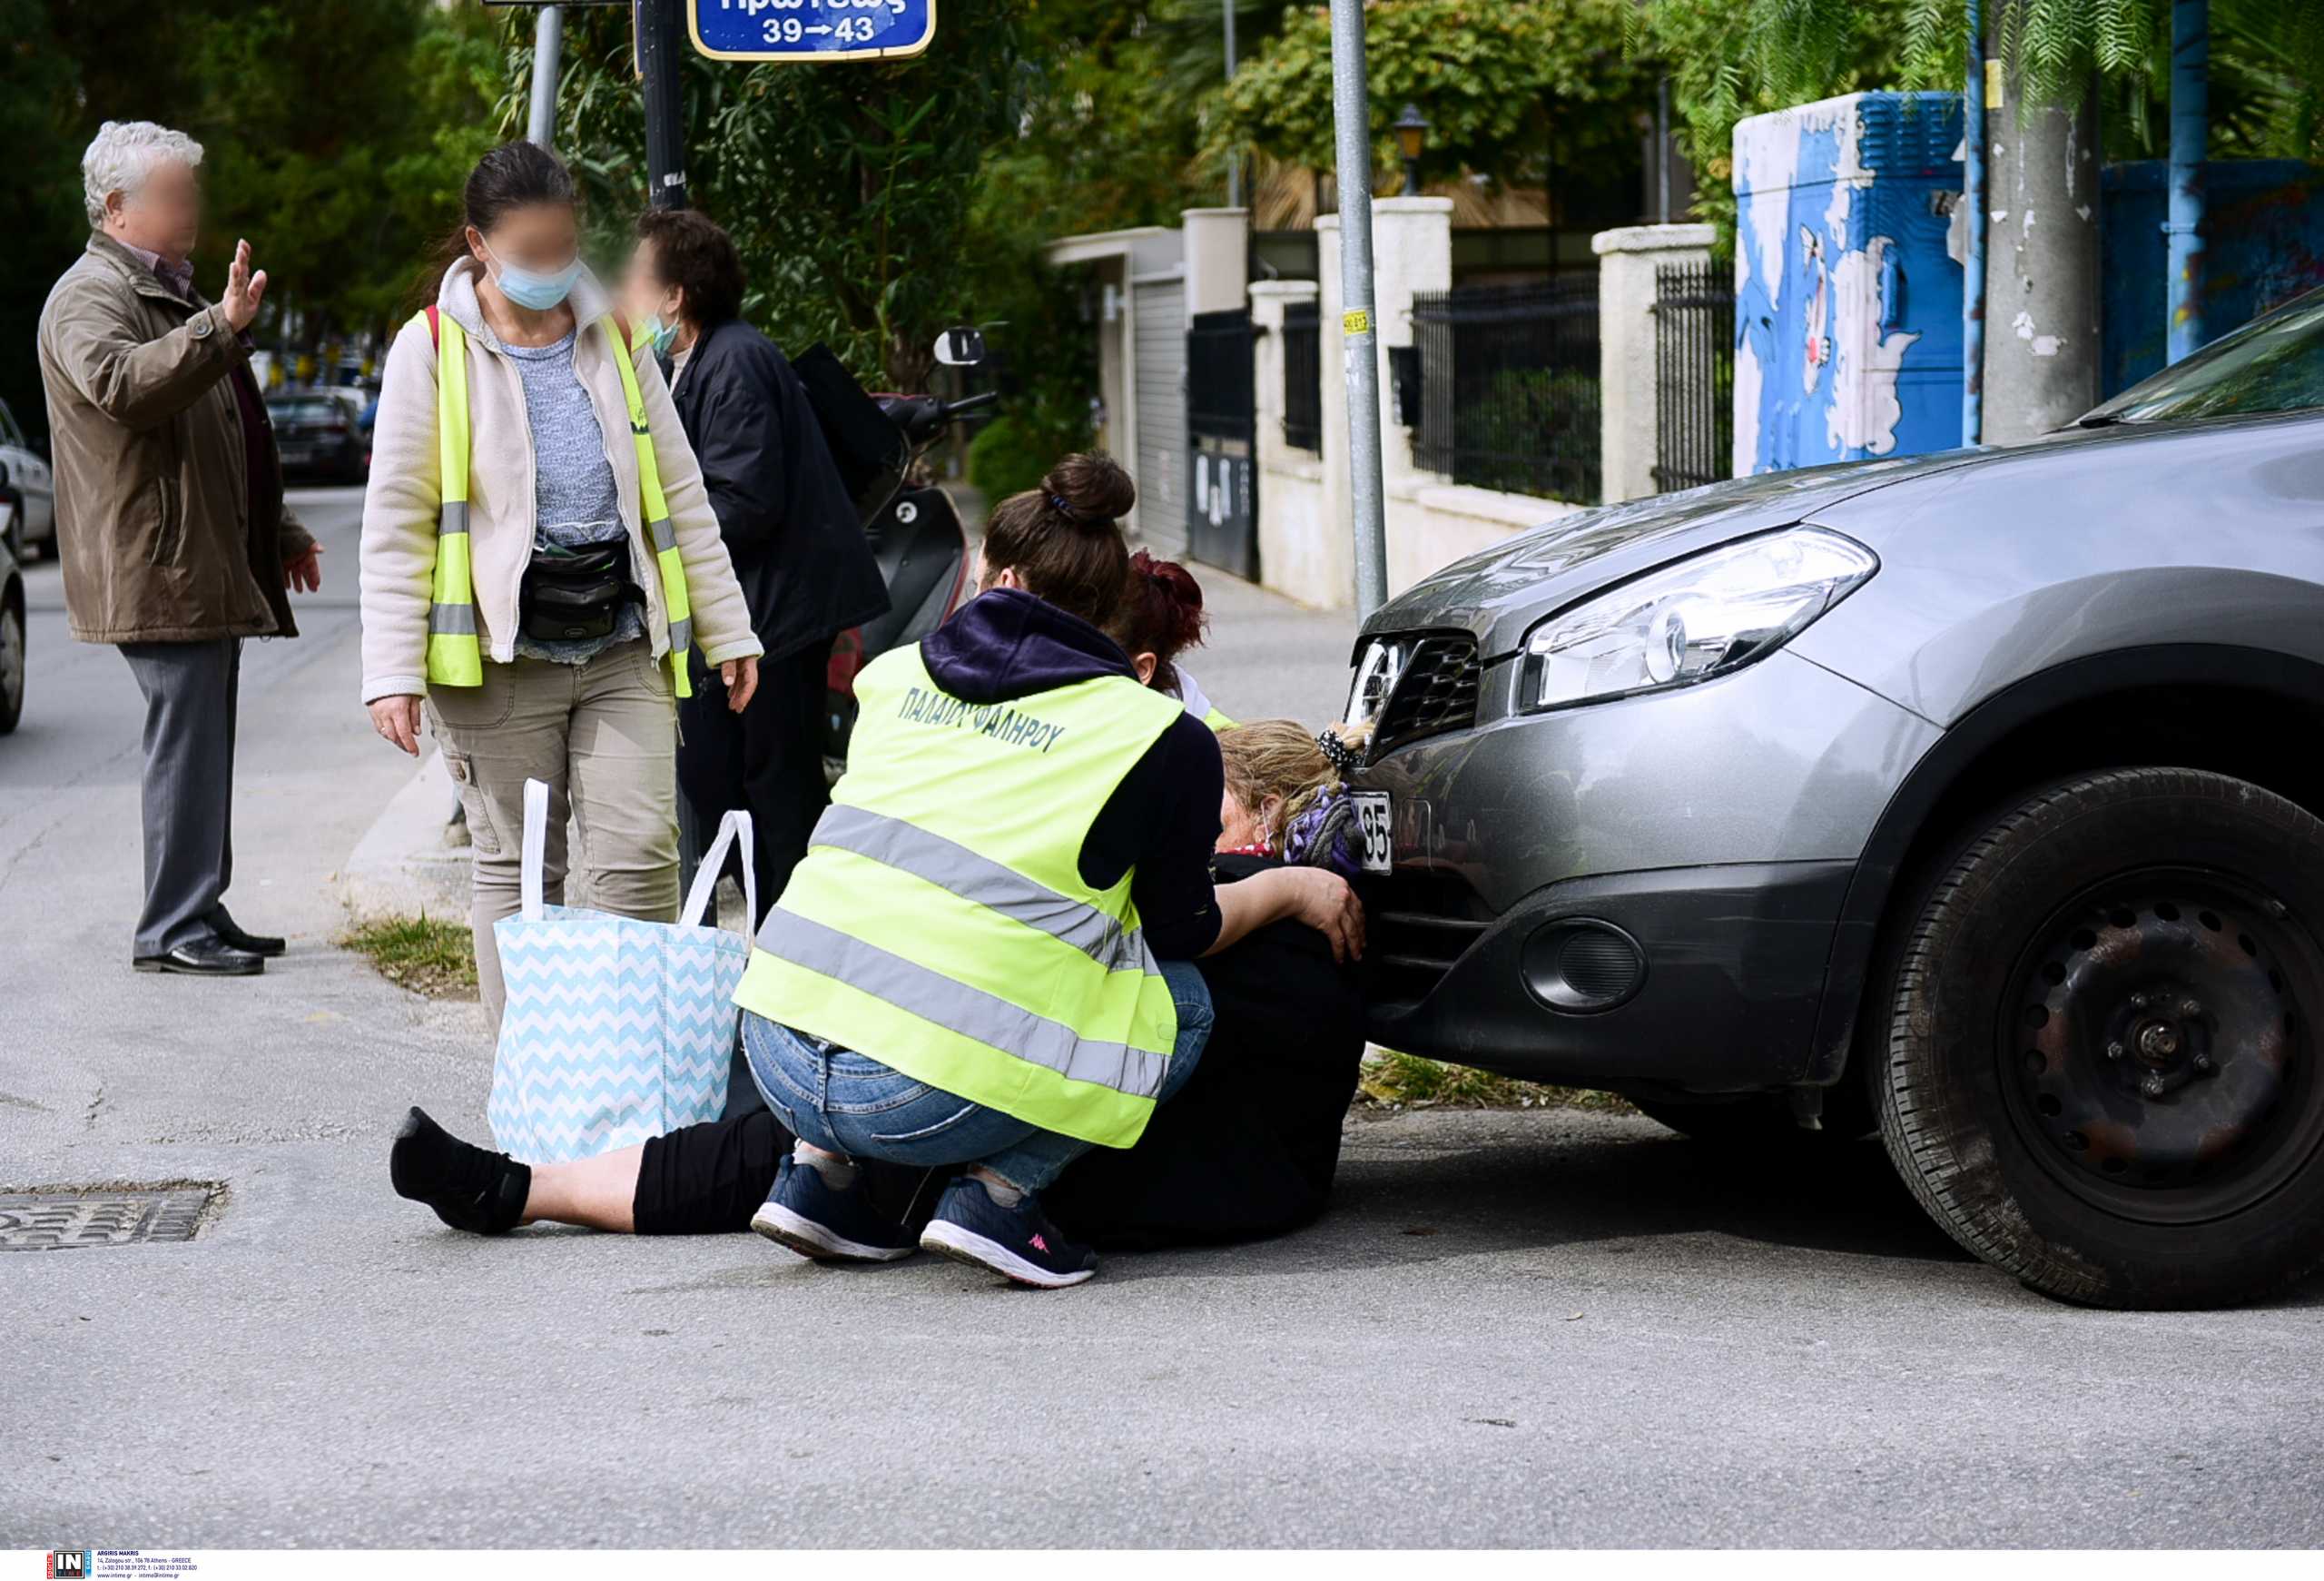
(940, 923)
(455, 655)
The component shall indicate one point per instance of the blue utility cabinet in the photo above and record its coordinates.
(1848, 280)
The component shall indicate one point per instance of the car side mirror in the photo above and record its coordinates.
(960, 347)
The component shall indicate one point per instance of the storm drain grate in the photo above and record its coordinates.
(52, 1220)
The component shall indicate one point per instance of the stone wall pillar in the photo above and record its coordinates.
(1338, 550)
(1411, 251)
(1627, 260)
(1300, 550)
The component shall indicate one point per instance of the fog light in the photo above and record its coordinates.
(1581, 965)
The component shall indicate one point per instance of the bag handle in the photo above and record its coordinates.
(535, 846)
(734, 826)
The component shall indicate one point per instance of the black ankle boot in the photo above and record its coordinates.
(470, 1189)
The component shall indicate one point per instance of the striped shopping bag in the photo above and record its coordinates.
(615, 1030)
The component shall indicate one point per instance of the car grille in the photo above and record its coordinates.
(1437, 692)
(1417, 924)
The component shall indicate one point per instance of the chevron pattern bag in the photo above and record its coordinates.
(615, 1030)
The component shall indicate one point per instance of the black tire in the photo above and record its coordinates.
(12, 664)
(2100, 1070)
(12, 533)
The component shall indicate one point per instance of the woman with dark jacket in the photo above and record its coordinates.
(799, 551)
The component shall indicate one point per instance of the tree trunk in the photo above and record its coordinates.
(2041, 352)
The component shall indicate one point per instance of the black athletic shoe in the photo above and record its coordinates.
(807, 1215)
(1017, 1243)
(470, 1189)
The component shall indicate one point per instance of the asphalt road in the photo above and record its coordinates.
(1529, 1328)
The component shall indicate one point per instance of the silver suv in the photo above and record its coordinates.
(1970, 797)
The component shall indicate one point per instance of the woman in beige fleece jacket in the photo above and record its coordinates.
(552, 469)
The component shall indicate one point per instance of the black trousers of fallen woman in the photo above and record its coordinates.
(1246, 1150)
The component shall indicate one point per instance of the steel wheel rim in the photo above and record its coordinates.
(2155, 1045)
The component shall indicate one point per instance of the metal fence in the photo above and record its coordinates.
(1694, 375)
(1218, 373)
(1509, 387)
(1302, 376)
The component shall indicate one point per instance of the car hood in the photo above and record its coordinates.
(1497, 595)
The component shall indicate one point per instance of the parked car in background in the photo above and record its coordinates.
(320, 433)
(11, 641)
(27, 492)
(1972, 798)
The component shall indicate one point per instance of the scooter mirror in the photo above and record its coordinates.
(960, 347)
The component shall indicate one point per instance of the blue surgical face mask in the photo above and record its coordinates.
(665, 335)
(529, 287)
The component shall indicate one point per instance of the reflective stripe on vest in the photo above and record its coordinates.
(940, 923)
(455, 657)
(455, 651)
(663, 536)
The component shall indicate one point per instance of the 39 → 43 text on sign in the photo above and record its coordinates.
(811, 30)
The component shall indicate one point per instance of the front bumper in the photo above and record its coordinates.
(1714, 829)
(1728, 974)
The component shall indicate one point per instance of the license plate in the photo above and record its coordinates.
(1371, 820)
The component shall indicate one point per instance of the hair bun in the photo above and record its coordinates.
(1091, 489)
(1171, 599)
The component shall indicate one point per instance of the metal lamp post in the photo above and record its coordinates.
(1359, 339)
(1410, 128)
(548, 38)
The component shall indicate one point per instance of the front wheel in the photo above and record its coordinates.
(2100, 1064)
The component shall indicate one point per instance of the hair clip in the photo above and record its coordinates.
(1341, 756)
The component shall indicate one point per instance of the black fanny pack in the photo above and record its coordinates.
(576, 593)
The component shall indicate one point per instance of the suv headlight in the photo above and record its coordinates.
(1709, 614)
(1377, 670)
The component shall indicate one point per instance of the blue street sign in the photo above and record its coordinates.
(811, 30)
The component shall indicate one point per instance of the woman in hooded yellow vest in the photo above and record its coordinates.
(982, 960)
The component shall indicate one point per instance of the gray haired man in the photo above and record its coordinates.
(170, 519)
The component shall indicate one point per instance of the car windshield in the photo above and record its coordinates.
(2274, 363)
(313, 411)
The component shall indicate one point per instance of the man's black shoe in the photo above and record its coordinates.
(229, 931)
(203, 958)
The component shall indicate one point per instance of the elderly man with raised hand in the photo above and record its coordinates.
(175, 541)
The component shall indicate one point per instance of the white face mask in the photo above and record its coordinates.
(529, 287)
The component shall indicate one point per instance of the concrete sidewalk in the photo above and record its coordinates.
(1268, 656)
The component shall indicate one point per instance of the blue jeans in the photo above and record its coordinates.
(846, 1102)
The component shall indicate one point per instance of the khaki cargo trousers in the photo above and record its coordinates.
(603, 736)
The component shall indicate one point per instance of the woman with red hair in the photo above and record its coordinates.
(1161, 619)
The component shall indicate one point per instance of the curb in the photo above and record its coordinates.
(401, 867)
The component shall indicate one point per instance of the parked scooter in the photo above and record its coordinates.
(915, 528)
